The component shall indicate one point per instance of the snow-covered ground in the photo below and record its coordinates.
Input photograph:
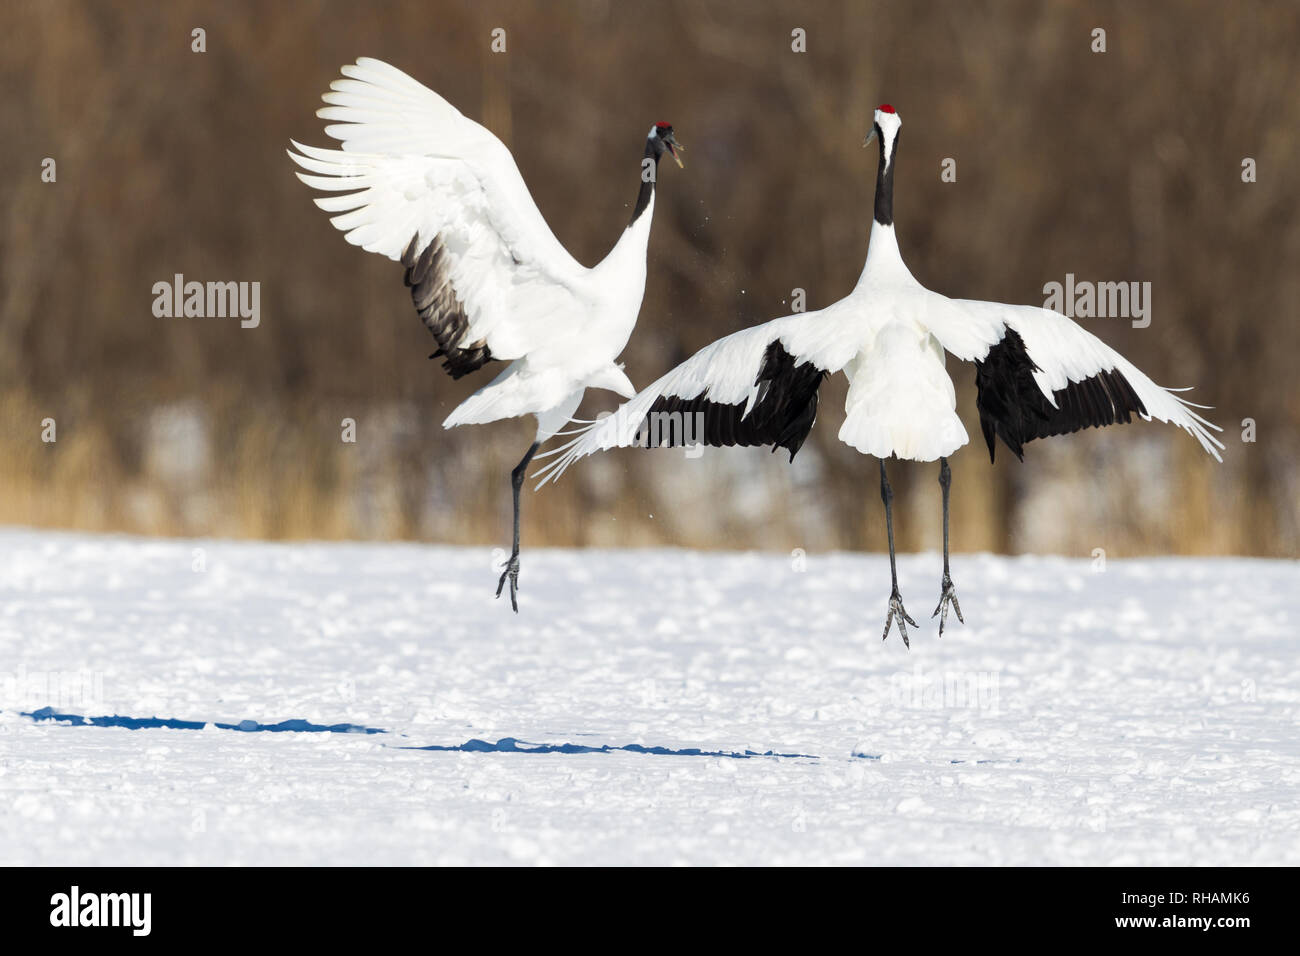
(1146, 714)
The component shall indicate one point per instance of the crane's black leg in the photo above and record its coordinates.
(512, 566)
(947, 595)
(896, 610)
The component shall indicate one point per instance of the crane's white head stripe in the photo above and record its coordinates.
(888, 123)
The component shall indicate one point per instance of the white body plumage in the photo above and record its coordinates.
(890, 336)
(421, 184)
(412, 167)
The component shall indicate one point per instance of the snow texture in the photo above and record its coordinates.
(245, 703)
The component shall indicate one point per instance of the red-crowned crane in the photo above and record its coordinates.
(1036, 374)
(418, 182)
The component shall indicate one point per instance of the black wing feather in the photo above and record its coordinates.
(442, 312)
(782, 415)
(1012, 406)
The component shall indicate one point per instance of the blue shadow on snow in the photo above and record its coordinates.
(510, 745)
(506, 745)
(171, 723)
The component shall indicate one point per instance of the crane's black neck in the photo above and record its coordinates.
(885, 180)
(647, 185)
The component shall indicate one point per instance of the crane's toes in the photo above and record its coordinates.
(898, 613)
(512, 573)
(948, 596)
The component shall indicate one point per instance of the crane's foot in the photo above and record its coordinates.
(899, 613)
(949, 596)
(511, 572)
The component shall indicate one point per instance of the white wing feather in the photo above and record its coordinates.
(1064, 352)
(412, 166)
(724, 371)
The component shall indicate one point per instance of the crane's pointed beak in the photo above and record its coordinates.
(673, 147)
(870, 136)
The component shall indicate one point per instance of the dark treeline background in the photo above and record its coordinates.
(1116, 166)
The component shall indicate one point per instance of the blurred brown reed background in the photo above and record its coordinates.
(1117, 166)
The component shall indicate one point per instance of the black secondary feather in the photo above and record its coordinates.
(782, 414)
(428, 278)
(1012, 406)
